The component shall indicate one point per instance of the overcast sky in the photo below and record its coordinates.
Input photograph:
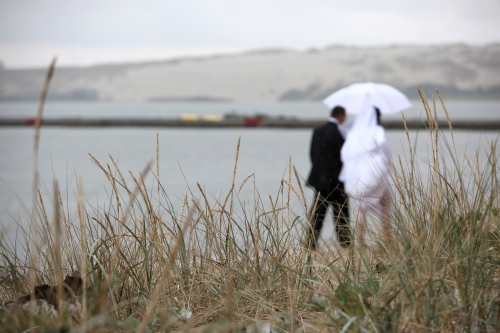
(86, 32)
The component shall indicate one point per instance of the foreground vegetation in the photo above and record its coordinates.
(226, 265)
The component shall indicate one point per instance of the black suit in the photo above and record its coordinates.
(324, 178)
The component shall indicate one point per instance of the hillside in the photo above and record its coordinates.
(459, 71)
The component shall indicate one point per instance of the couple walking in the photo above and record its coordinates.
(356, 165)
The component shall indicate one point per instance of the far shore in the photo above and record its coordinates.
(253, 122)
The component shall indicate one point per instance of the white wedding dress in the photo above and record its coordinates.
(367, 169)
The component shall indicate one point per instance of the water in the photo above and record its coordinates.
(458, 110)
(187, 156)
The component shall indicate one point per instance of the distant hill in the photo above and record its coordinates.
(458, 71)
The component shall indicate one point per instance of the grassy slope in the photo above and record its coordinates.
(150, 266)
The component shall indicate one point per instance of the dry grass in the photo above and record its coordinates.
(149, 266)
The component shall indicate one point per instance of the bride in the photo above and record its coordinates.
(366, 171)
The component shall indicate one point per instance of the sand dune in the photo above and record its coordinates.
(459, 71)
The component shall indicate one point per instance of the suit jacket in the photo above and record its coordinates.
(325, 157)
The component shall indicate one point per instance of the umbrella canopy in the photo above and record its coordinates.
(353, 98)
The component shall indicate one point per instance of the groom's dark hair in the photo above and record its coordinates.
(377, 111)
(338, 111)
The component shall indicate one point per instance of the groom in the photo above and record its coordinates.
(326, 143)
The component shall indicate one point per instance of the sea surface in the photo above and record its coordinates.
(190, 156)
(457, 110)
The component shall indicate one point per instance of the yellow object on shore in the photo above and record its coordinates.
(212, 117)
(189, 117)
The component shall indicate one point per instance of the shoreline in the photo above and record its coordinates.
(232, 123)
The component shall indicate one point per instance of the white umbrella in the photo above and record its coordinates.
(353, 97)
